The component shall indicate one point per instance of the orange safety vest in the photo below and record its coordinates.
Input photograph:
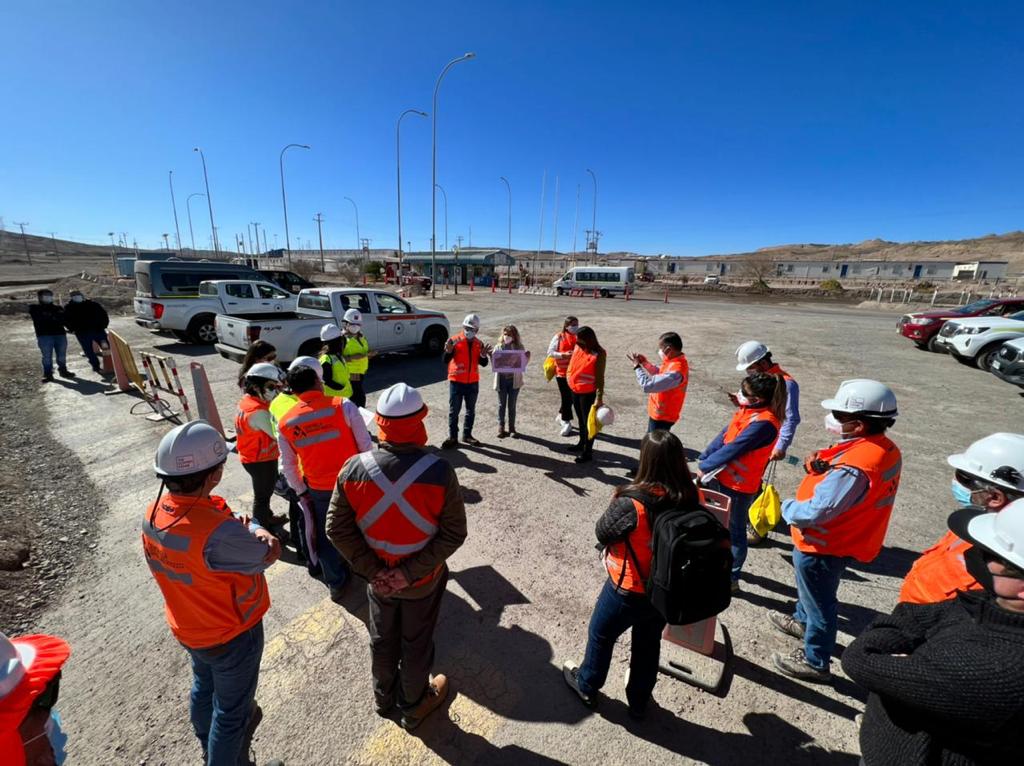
(566, 343)
(743, 473)
(397, 499)
(860, 531)
(321, 437)
(621, 566)
(776, 370)
(667, 405)
(465, 361)
(582, 372)
(939, 573)
(204, 607)
(254, 445)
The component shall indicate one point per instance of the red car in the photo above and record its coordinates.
(923, 327)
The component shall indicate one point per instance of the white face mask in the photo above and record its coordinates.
(506, 339)
(46, 298)
(833, 426)
(269, 394)
(741, 399)
(661, 354)
(353, 329)
(469, 333)
(77, 298)
(572, 329)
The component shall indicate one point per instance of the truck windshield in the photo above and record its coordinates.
(972, 308)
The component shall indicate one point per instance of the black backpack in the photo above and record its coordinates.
(691, 563)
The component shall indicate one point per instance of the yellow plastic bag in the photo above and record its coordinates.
(593, 424)
(766, 510)
(549, 368)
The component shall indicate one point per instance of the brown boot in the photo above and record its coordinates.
(437, 692)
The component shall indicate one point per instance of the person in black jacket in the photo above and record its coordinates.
(624, 534)
(51, 334)
(88, 320)
(947, 679)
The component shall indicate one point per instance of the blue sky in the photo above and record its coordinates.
(711, 127)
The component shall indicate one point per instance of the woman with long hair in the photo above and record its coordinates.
(560, 349)
(332, 356)
(624, 533)
(734, 462)
(256, 443)
(258, 351)
(585, 376)
(507, 384)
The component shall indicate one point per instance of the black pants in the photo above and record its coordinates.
(402, 644)
(358, 393)
(582, 404)
(264, 476)
(565, 411)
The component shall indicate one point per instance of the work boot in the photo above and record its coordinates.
(787, 624)
(66, 373)
(795, 665)
(338, 592)
(437, 692)
(47, 378)
(449, 443)
(570, 671)
(470, 440)
(734, 587)
(502, 433)
(96, 368)
(584, 458)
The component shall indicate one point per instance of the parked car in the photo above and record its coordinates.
(607, 280)
(923, 327)
(711, 279)
(191, 317)
(1008, 364)
(977, 340)
(390, 323)
(288, 280)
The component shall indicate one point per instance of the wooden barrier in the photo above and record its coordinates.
(126, 374)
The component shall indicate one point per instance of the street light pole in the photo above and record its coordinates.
(174, 207)
(209, 202)
(398, 167)
(593, 224)
(284, 199)
(433, 174)
(508, 270)
(575, 223)
(188, 207)
(359, 240)
(256, 231)
(445, 195)
(320, 231)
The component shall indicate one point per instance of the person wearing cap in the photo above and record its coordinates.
(560, 349)
(316, 437)
(989, 474)
(335, 372)
(945, 679)
(665, 385)
(841, 512)
(256, 442)
(209, 566)
(397, 515)
(48, 321)
(88, 320)
(30, 726)
(356, 353)
(464, 354)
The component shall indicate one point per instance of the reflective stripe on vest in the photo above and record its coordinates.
(465, 362)
(939, 573)
(253, 444)
(339, 371)
(743, 474)
(667, 405)
(619, 562)
(860, 531)
(566, 343)
(582, 373)
(357, 346)
(317, 431)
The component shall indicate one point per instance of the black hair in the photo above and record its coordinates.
(189, 483)
(44, 291)
(769, 388)
(586, 339)
(258, 349)
(569, 320)
(333, 346)
(302, 379)
(672, 339)
(663, 469)
(873, 425)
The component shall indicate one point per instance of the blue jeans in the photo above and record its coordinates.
(507, 397)
(613, 614)
(224, 680)
(49, 345)
(334, 569)
(817, 606)
(658, 425)
(457, 394)
(738, 513)
(86, 339)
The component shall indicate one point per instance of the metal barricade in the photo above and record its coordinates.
(171, 384)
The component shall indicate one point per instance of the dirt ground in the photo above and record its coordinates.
(524, 584)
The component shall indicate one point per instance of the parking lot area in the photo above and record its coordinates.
(524, 584)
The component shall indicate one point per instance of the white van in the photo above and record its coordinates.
(607, 280)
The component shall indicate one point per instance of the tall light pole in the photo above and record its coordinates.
(256, 231)
(174, 207)
(575, 223)
(433, 174)
(445, 195)
(359, 240)
(593, 224)
(508, 271)
(398, 167)
(188, 207)
(209, 202)
(284, 199)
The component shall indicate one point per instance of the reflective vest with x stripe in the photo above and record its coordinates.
(397, 498)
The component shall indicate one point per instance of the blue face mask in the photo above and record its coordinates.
(961, 494)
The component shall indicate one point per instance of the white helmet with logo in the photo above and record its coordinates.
(330, 332)
(861, 396)
(749, 353)
(1002, 532)
(471, 321)
(352, 316)
(399, 401)
(190, 448)
(998, 459)
(307, 361)
(265, 370)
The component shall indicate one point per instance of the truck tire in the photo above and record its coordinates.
(933, 345)
(605, 293)
(202, 330)
(983, 359)
(561, 291)
(311, 348)
(433, 341)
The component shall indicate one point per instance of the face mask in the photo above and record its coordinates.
(269, 394)
(46, 299)
(572, 329)
(962, 495)
(506, 339)
(741, 400)
(978, 569)
(352, 329)
(661, 354)
(470, 334)
(77, 298)
(833, 426)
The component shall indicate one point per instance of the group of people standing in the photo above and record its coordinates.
(86, 318)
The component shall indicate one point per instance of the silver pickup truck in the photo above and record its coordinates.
(390, 323)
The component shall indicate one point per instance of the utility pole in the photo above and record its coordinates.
(256, 230)
(24, 240)
(113, 253)
(554, 246)
(56, 250)
(167, 244)
(540, 238)
(265, 250)
(576, 222)
(248, 233)
(320, 230)
(174, 207)
(458, 240)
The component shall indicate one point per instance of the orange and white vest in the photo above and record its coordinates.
(743, 473)
(566, 343)
(621, 566)
(464, 366)
(581, 374)
(668, 405)
(939, 573)
(254, 445)
(321, 437)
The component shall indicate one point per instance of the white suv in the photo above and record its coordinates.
(977, 340)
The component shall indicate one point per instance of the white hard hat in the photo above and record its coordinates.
(329, 332)
(605, 415)
(352, 316)
(265, 370)
(1002, 532)
(750, 352)
(863, 396)
(998, 459)
(12, 666)
(471, 320)
(189, 449)
(307, 361)
(399, 401)
(45, 654)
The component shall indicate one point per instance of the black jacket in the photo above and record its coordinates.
(47, 318)
(85, 317)
(956, 697)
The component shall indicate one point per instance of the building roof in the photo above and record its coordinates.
(465, 257)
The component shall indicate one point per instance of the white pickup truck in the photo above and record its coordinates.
(191, 317)
(977, 340)
(390, 323)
